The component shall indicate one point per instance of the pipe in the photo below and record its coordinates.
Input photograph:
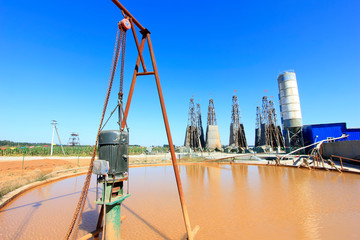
(317, 143)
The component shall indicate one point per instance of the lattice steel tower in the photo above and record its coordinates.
(237, 133)
(270, 133)
(258, 127)
(211, 120)
(199, 126)
(192, 138)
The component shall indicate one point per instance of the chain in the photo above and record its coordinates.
(74, 225)
(123, 45)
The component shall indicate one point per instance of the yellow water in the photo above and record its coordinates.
(227, 201)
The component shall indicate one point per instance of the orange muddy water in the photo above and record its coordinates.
(227, 201)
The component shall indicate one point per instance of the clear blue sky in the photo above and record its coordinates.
(55, 59)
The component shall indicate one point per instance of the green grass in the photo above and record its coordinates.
(82, 151)
(41, 178)
(30, 177)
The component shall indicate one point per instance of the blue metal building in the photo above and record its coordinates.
(317, 132)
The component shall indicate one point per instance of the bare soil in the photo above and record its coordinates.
(14, 175)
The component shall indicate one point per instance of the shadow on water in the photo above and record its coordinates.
(27, 219)
(147, 223)
(87, 220)
(89, 216)
(46, 200)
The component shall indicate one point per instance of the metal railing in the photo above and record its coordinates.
(341, 158)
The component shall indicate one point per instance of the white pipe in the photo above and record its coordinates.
(319, 144)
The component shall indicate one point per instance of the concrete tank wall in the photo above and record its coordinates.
(349, 149)
(289, 100)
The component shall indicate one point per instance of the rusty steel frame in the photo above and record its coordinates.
(146, 36)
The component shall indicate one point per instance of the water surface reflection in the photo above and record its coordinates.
(227, 201)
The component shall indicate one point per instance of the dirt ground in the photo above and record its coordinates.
(14, 175)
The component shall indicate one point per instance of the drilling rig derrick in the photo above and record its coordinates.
(199, 126)
(267, 132)
(237, 133)
(192, 135)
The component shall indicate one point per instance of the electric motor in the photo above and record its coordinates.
(114, 148)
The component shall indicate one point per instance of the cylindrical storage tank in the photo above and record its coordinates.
(114, 147)
(289, 101)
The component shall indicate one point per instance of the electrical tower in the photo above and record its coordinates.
(237, 133)
(74, 139)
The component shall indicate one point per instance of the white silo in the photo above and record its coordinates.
(290, 110)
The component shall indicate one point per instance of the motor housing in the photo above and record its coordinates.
(114, 148)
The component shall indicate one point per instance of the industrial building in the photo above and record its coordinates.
(317, 132)
(348, 147)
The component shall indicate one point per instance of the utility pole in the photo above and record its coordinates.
(54, 123)
(52, 139)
